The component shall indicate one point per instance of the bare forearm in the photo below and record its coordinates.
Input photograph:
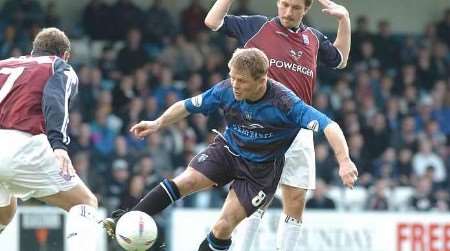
(217, 13)
(343, 39)
(173, 114)
(336, 139)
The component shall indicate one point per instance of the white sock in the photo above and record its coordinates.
(2, 227)
(82, 228)
(288, 233)
(249, 231)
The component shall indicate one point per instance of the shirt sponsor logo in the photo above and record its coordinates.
(247, 132)
(197, 100)
(291, 66)
(295, 54)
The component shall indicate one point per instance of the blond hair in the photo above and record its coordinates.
(252, 60)
(51, 41)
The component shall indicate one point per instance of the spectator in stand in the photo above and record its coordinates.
(378, 135)
(146, 169)
(360, 35)
(182, 57)
(443, 28)
(425, 158)
(323, 163)
(133, 55)
(117, 184)
(161, 156)
(403, 167)
(243, 8)
(423, 199)
(126, 16)
(377, 199)
(23, 13)
(96, 20)
(386, 47)
(192, 19)
(134, 193)
(319, 200)
(159, 26)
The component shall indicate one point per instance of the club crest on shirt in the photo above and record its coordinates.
(248, 116)
(313, 125)
(295, 54)
(202, 157)
(305, 39)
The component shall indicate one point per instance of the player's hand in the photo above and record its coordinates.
(67, 171)
(145, 128)
(333, 9)
(348, 173)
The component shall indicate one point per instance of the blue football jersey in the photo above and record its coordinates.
(259, 131)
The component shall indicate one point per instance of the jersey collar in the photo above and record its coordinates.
(300, 28)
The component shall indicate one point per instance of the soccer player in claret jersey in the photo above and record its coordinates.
(35, 94)
(293, 50)
(263, 118)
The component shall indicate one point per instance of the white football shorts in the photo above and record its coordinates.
(300, 165)
(29, 168)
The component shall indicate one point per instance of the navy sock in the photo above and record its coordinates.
(211, 243)
(159, 198)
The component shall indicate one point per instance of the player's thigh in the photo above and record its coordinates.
(35, 173)
(79, 194)
(191, 181)
(8, 205)
(211, 167)
(299, 169)
(233, 212)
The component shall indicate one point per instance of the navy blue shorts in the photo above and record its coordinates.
(254, 183)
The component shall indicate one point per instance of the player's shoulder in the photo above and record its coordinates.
(251, 19)
(223, 85)
(278, 88)
(320, 36)
(51, 62)
(281, 96)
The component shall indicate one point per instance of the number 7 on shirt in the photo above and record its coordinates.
(13, 75)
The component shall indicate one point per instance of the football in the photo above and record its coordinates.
(136, 231)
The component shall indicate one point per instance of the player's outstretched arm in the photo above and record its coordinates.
(347, 169)
(216, 14)
(343, 37)
(173, 114)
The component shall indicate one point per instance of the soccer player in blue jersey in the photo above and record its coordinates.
(294, 50)
(263, 118)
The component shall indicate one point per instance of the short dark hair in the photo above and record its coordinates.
(51, 41)
(308, 3)
(252, 60)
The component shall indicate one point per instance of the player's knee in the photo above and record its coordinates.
(92, 200)
(294, 202)
(89, 199)
(295, 197)
(188, 182)
(224, 227)
(6, 215)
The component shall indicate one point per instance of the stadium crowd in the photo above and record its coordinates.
(392, 100)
